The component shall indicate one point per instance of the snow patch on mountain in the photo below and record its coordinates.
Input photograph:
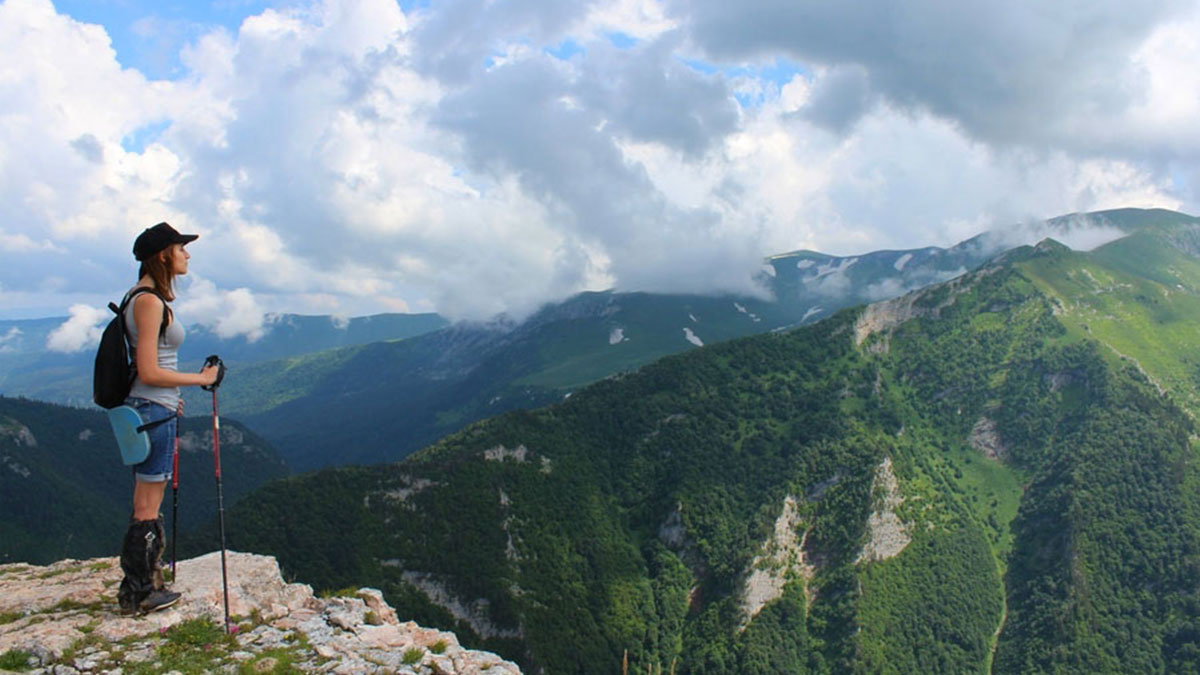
(830, 279)
(753, 317)
(831, 268)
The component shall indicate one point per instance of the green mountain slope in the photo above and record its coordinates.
(65, 494)
(1140, 297)
(381, 402)
(961, 479)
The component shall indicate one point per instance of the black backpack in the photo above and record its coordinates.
(113, 376)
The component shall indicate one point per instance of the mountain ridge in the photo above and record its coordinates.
(925, 485)
(443, 380)
(28, 368)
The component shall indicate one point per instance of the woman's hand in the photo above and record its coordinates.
(209, 375)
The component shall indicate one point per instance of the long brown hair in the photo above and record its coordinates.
(161, 269)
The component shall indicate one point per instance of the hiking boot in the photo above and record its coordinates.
(157, 600)
(156, 547)
(126, 601)
(137, 564)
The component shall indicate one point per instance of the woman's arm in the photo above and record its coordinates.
(147, 314)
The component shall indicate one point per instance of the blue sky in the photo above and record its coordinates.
(148, 36)
(474, 157)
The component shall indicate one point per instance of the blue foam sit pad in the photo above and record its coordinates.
(135, 445)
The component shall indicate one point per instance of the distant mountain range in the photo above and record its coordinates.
(28, 368)
(380, 402)
(378, 388)
(995, 473)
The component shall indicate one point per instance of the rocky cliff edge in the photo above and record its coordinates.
(63, 619)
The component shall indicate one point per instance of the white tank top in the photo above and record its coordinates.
(168, 359)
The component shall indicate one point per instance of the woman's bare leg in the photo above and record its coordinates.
(147, 499)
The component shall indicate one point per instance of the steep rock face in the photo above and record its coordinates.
(888, 534)
(986, 439)
(63, 618)
(887, 315)
(782, 559)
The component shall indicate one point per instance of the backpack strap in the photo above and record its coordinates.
(162, 327)
(150, 425)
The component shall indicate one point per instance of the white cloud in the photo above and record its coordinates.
(1019, 72)
(1079, 232)
(66, 182)
(640, 19)
(347, 158)
(21, 243)
(81, 331)
(227, 313)
(892, 287)
(9, 340)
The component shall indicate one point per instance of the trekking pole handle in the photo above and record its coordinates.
(214, 360)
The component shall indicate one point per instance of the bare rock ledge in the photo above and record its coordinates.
(63, 618)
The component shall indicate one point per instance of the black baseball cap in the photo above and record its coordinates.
(154, 239)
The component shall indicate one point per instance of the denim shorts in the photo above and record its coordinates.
(157, 466)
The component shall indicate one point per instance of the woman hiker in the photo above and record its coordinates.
(155, 395)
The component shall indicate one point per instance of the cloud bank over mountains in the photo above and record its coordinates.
(474, 157)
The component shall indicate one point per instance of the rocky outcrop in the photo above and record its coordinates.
(885, 316)
(19, 433)
(476, 613)
(887, 534)
(63, 619)
(520, 454)
(986, 439)
(780, 561)
(500, 453)
(1186, 238)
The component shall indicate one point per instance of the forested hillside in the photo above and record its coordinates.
(398, 397)
(65, 494)
(961, 479)
(393, 398)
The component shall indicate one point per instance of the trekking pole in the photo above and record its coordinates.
(175, 500)
(215, 360)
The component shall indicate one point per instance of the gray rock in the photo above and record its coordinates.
(344, 635)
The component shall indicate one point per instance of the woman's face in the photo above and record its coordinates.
(179, 258)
